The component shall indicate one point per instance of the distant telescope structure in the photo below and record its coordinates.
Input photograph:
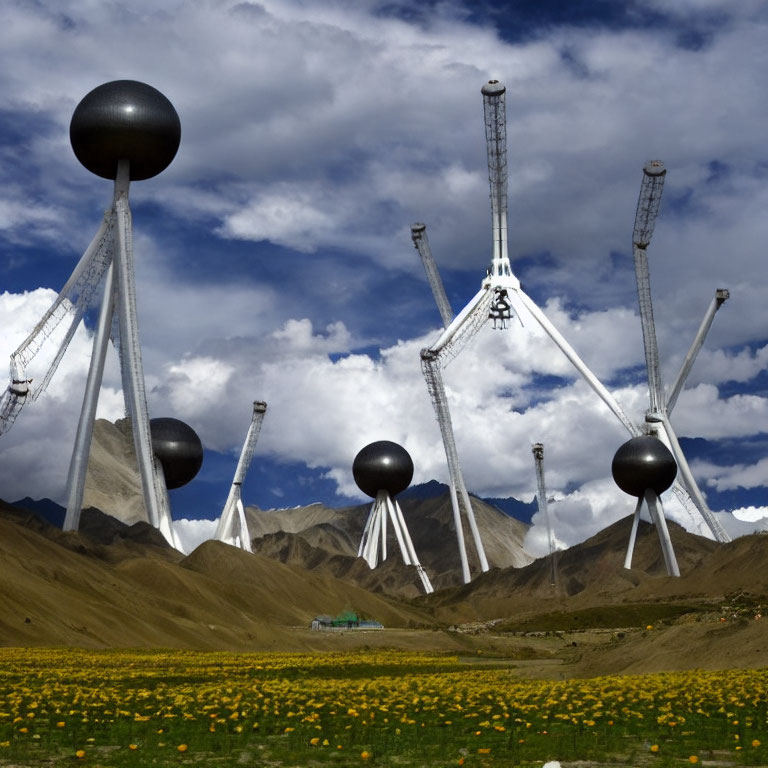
(125, 120)
(178, 449)
(232, 527)
(382, 470)
(644, 467)
(125, 131)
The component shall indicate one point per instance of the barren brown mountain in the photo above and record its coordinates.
(118, 584)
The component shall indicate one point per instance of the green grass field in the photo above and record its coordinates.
(139, 708)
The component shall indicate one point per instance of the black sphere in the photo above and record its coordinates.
(382, 466)
(641, 463)
(125, 120)
(178, 449)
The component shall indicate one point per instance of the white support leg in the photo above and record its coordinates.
(131, 364)
(721, 296)
(459, 526)
(414, 560)
(398, 525)
(459, 495)
(690, 484)
(657, 514)
(633, 534)
(366, 531)
(164, 505)
(383, 545)
(576, 361)
(244, 533)
(78, 465)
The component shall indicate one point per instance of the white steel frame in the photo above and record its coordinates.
(500, 294)
(108, 257)
(657, 420)
(374, 540)
(232, 527)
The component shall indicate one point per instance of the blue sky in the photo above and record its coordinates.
(274, 258)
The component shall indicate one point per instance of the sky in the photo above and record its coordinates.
(274, 259)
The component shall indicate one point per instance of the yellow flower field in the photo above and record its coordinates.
(131, 708)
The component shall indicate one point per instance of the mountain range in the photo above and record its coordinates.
(117, 583)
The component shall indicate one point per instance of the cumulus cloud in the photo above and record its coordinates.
(192, 533)
(324, 131)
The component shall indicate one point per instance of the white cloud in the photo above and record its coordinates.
(735, 476)
(192, 533)
(324, 129)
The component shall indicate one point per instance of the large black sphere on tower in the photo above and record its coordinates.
(178, 449)
(125, 120)
(641, 463)
(382, 466)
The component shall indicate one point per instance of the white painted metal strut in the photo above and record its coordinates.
(720, 297)
(110, 252)
(494, 301)
(373, 544)
(232, 527)
(541, 497)
(648, 204)
(420, 242)
(78, 465)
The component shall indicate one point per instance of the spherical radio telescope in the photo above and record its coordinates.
(125, 120)
(643, 463)
(178, 449)
(382, 466)
(382, 470)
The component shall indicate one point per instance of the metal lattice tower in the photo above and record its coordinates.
(500, 296)
(233, 527)
(420, 242)
(657, 417)
(123, 130)
(541, 497)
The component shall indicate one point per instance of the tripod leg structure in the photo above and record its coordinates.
(374, 536)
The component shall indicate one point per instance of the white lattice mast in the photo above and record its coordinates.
(541, 498)
(382, 470)
(124, 131)
(657, 416)
(233, 527)
(500, 294)
(420, 242)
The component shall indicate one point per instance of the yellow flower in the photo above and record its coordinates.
(693, 759)
(365, 754)
(315, 741)
(60, 724)
(80, 753)
(755, 742)
(649, 627)
(133, 746)
(23, 730)
(654, 747)
(182, 748)
(483, 750)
